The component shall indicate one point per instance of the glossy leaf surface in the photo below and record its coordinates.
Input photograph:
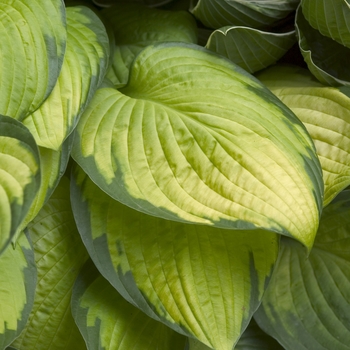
(83, 69)
(194, 138)
(307, 303)
(200, 281)
(33, 35)
(17, 288)
(19, 176)
(108, 321)
(59, 255)
(325, 111)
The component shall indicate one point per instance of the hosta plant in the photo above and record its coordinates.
(155, 194)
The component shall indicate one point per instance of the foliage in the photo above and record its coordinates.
(170, 178)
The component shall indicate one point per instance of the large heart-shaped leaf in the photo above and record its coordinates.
(200, 281)
(19, 176)
(325, 58)
(250, 48)
(17, 288)
(325, 111)
(194, 138)
(330, 17)
(251, 13)
(33, 36)
(84, 67)
(59, 255)
(307, 303)
(136, 26)
(108, 321)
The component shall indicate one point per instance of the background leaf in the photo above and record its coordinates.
(84, 67)
(17, 288)
(59, 255)
(194, 138)
(108, 321)
(200, 281)
(33, 35)
(325, 58)
(19, 176)
(250, 48)
(307, 303)
(325, 111)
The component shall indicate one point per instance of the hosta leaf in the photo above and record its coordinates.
(325, 111)
(200, 281)
(19, 176)
(107, 321)
(53, 165)
(17, 287)
(83, 69)
(33, 35)
(326, 59)
(59, 255)
(136, 26)
(307, 303)
(194, 138)
(257, 14)
(330, 17)
(250, 48)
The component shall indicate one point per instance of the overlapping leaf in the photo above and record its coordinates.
(194, 138)
(326, 59)
(108, 321)
(325, 111)
(200, 281)
(251, 13)
(19, 176)
(330, 17)
(59, 255)
(84, 66)
(250, 48)
(136, 26)
(17, 288)
(33, 39)
(307, 303)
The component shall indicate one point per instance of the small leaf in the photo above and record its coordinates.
(250, 48)
(84, 67)
(33, 35)
(17, 288)
(194, 138)
(107, 321)
(330, 17)
(19, 176)
(307, 303)
(325, 58)
(325, 111)
(136, 26)
(250, 13)
(59, 255)
(200, 281)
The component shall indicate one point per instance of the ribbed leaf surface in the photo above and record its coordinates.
(200, 281)
(330, 17)
(83, 69)
(136, 26)
(17, 287)
(194, 138)
(107, 321)
(19, 176)
(326, 59)
(307, 303)
(59, 255)
(251, 13)
(250, 48)
(33, 36)
(325, 111)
